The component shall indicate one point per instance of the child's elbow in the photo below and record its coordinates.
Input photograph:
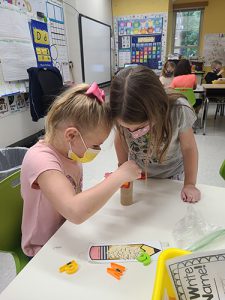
(77, 220)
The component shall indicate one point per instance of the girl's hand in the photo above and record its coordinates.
(129, 171)
(190, 194)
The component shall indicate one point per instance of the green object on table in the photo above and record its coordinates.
(222, 170)
(206, 240)
(144, 258)
(188, 93)
(11, 207)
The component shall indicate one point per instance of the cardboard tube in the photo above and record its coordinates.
(126, 195)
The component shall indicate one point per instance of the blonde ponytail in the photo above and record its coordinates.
(77, 109)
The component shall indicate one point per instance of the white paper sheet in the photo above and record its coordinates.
(13, 24)
(66, 72)
(16, 57)
(199, 275)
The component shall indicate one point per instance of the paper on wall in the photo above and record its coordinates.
(199, 275)
(13, 24)
(16, 57)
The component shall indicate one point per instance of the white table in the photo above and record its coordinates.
(156, 210)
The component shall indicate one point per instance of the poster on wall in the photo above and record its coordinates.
(41, 43)
(140, 26)
(140, 39)
(214, 48)
(146, 50)
(57, 33)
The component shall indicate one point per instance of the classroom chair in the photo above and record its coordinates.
(213, 97)
(222, 170)
(11, 206)
(189, 94)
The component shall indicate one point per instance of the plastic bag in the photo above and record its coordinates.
(11, 160)
(192, 232)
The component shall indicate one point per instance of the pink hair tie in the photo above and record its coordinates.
(94, 90)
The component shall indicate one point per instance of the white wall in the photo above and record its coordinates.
(18, 126)
(100, 10)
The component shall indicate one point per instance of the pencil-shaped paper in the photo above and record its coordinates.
(123, 252)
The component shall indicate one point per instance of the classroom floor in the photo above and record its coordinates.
(211, 149)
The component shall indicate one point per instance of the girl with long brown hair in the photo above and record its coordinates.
(154, 128)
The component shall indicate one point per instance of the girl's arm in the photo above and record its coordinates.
(190, 156)
(220, 72)
(121, 148)
(79, 207)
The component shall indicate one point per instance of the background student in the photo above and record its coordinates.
(183, 77)
(167, 74)
(215, 73)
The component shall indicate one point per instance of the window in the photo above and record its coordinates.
(187, 32)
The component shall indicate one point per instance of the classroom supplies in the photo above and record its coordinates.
(70, 268)
(198, 275)
(126, 194)
(144, 258)
(163, 286)
(116, 270)
(105, 253)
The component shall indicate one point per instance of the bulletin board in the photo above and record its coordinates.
(214, 48)
(27, 42)
(140, 39)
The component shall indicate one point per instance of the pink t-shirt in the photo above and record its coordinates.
(40, 219)
(184, 81)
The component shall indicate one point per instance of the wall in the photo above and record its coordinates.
(128, 7)
(213, 18)
(213, 21)
(18, 126)
(100, 10)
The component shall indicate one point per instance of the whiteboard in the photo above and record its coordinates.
(95, 43)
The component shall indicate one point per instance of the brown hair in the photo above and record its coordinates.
(164, 69)
(183, 68)
(137, 96)
(75, 108)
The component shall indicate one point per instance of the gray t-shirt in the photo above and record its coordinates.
(183, 118)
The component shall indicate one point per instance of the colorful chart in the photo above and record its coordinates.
(140, 41)
(146, 50)
(143, 26)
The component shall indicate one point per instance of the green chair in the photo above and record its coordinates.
(189, 94)
(222, 170)
(11, 206)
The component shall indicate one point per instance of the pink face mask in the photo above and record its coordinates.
(140, 132)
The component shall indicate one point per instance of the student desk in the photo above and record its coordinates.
(156, 209)
(214, 94)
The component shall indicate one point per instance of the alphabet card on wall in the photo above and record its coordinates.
(41, 43)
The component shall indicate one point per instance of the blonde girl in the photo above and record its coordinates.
(77, 124)
(155, 129)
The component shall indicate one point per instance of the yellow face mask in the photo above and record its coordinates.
(89, 154)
